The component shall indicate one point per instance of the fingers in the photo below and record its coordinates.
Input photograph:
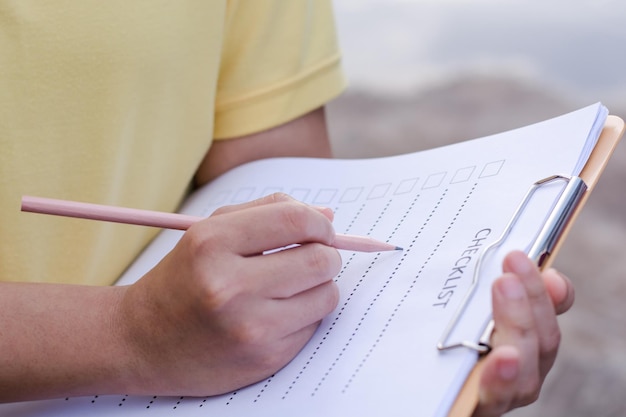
(279, 293)
(265, 323)
(542, 312)
(526, 336)
(293, 271)
(258, 321)
(296, 287)
(293, 343)
(560, 289)
(501, 371)
(515, 327)
(510, 376)
(304, 309)
(261, 227)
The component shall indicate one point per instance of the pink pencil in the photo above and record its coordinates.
(165, 220)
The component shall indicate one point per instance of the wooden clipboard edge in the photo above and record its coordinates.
(612, 132)
(610, 136)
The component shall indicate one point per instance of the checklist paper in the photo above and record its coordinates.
(376, 353)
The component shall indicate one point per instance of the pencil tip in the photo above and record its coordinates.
(399, 248)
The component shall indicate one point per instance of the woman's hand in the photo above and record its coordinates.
(216, 314)
(526, 336)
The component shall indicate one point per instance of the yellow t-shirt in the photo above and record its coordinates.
(117, 102)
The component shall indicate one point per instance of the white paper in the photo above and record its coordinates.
(376, 353)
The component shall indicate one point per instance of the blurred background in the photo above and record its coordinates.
(426, 73)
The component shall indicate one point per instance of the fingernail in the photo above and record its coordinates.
(326, 211)
(561, 283)
(558, 288)
(512, 288)
(323, 209)
(508, 370)
(521, 263)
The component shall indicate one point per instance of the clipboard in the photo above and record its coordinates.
(610, 136)
(369, 400)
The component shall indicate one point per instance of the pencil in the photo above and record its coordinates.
(166, 220)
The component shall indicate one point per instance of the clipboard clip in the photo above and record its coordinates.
(541, 249)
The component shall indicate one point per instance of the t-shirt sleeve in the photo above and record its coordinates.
(280, 60)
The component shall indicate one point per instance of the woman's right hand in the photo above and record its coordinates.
(216, 314)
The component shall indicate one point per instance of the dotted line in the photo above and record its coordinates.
(364, 316)
(267, 382)
(151, 402)
(356, 216)
(177, 403)
(406, 294)
(343, 307)
(380, 216)
(232, 397)
(349, 261)
(343, 268)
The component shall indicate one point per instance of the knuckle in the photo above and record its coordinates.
(273, 359)
(295, 217)
(208, 272)
(528, 398)
(222, 210)
(303, 221)
(495, 407)
(551, 343)
(250, 333)
(322, 260)
(279, 197)
(555, 339)
(200, 242)
(336, 262)
(525, 326)
(269, 360)
(529, 392)
(216, 296)
(332, 300)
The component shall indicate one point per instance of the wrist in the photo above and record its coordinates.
(129, 324)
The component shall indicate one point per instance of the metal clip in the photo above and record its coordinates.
(539, 252)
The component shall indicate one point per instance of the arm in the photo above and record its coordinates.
(59, 340)
(304, 136)
(210, 304)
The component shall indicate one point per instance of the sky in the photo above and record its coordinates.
(397, 46)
